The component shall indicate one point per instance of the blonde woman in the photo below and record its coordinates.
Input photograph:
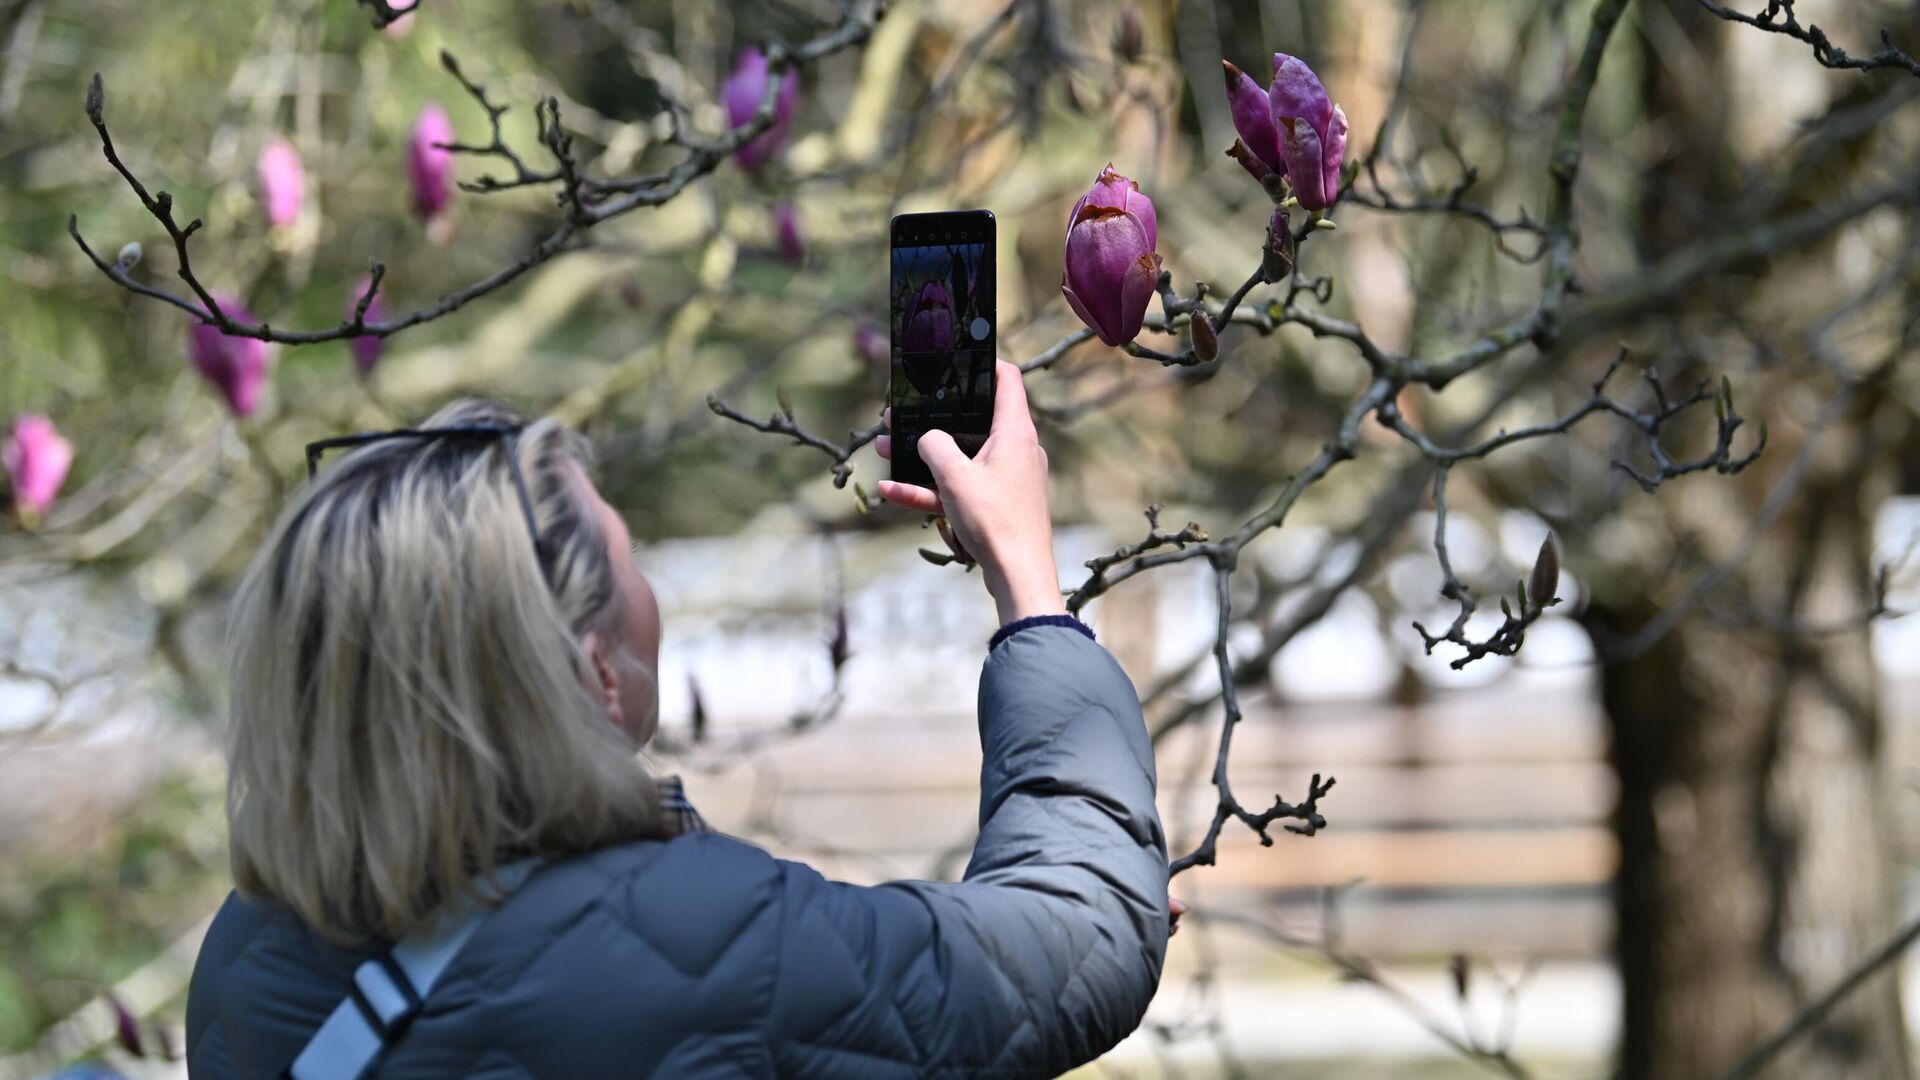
(443, 669)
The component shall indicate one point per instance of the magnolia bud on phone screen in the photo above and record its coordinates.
(943, 334)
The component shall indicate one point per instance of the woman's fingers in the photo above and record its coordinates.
(1010, 411)
(911, 496)
(883, 445)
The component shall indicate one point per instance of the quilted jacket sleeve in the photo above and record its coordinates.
(1047, 952)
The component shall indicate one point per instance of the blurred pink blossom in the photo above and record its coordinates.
(367, 347)
(37, 460)
(283, 182)
(430, 165)
(742, 92)
(236, 366)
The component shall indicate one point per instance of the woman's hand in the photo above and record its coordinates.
(996, 502)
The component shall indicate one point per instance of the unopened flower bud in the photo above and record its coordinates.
(130, 255)
(1294, 129)
(1206, 343)
(1276, 258)
(1253, 118)
(1111, 267)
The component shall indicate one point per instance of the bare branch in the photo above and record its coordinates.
(782, 423)
(1778, 18)
(1816, 1010)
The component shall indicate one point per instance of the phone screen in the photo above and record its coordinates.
(943, 334)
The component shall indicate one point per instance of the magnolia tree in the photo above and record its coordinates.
(1565, 349)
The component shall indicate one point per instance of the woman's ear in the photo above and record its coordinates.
(605, 683)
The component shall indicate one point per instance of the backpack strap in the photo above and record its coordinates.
(388, 990)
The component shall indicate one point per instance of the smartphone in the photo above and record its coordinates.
(943, 330)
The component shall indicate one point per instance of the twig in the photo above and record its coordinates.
(1816, 1010)
(782, 423)
(1778, 18)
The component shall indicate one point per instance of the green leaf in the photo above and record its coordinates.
(786, 403)
(937, 558)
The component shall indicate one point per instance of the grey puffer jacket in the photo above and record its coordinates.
(702, 956)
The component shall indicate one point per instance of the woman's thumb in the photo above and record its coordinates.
(941, 454)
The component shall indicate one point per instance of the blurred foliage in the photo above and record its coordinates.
(76, 922)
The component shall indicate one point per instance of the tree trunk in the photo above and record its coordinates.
(1753, 824)
(1754, 835)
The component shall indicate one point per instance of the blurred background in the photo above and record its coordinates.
(1652, 838)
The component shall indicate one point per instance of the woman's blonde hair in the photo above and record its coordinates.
(411, 704)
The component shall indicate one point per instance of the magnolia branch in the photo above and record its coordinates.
(590, 200)
(782, 423)
(1228, 807)
(1778, 18)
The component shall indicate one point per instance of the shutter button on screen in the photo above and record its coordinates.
(980, 327)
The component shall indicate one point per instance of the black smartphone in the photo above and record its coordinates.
(943, 331)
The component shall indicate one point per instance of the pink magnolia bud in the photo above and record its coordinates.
(37, 460)
(1253, 118)
(1313, 131)
(236, 366)
(1111, 268)
(429, 165)
(283, 182)
(742, 92)
(786, 220)
(367, 347)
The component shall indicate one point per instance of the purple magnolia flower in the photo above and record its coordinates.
(742, 92)
(37, 460)
(1111, 268)
(1296, 131)
(429, 165)
(283, 182)
(367, 347)
(236, 366)
(786, 222)
(927, 325)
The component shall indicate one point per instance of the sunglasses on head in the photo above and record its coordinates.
(507, 433)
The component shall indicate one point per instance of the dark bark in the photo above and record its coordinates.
(1754, 834)
(1752, 822)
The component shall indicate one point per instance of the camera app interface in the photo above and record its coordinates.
(943, 334)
